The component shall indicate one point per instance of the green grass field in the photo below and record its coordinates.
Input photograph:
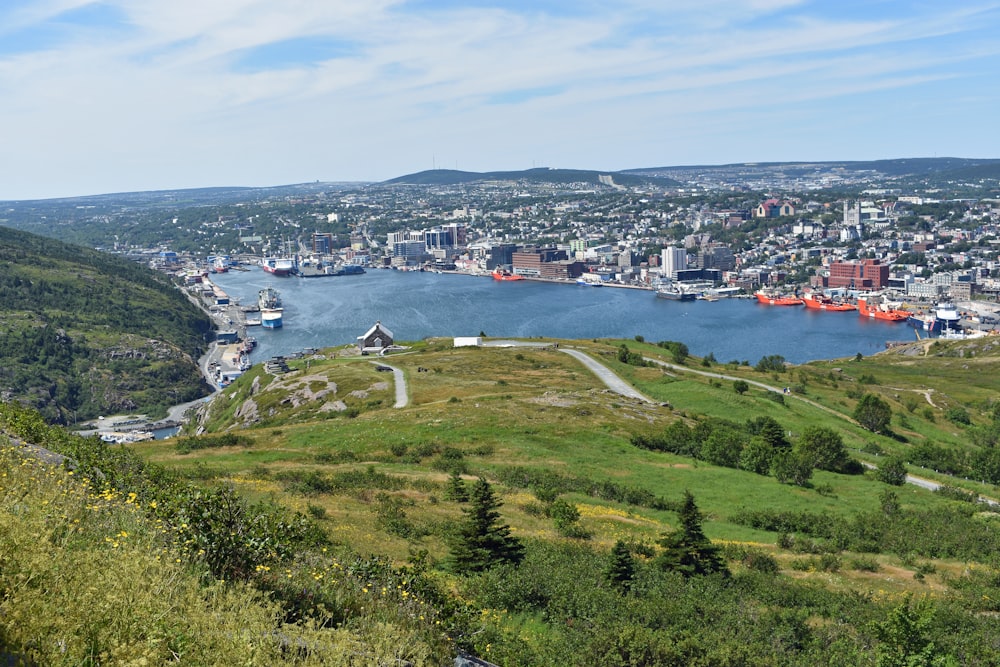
(484, 411)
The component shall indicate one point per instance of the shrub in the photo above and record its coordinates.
(892, 471)
(771, 363)
(958, 415)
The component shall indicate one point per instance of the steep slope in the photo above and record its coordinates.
(83, 333)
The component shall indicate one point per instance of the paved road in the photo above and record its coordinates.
(402, 398)
(605, 375)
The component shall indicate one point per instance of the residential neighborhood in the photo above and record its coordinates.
(837, 228)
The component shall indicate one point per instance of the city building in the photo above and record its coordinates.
(866, 274)
(673, 260)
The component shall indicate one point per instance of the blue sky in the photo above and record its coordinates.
(125, 95)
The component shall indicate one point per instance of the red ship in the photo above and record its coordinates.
(503, 274)
(877, 313)
(823, 302)
(777, 299)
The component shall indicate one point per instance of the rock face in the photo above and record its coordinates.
(276, 396)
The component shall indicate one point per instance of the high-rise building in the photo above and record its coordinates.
(674, 260)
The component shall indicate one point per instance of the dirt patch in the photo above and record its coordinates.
(555, 400)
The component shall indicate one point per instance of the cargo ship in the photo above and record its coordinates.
(674, 293)
(877, 312)
(270, 308)
(278, 266)
(817, 301)
(505, 275)
(944, 318)
(220, 265)
(770, 299)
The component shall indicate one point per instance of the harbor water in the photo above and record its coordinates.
(333, 311)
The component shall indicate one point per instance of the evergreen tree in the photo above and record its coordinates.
(621, 569)
(687, 550)
(455, 490)
(481, 541)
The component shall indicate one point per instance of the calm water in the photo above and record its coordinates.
(327, 311)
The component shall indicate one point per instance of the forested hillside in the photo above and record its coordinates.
(85, 333)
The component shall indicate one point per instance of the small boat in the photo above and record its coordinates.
(772, 299)
(817, 301)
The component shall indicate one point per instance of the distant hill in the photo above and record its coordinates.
(538, 175)
(86, 333)
(889, 168)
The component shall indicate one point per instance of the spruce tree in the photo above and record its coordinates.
(687, 550)
(456, 491)
(621, 569)
(481, 541)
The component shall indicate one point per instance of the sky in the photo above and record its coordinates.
(130, 95)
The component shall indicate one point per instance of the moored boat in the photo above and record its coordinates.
(505, 275)
(772, 299)
(674, 292)
(879, 312)
(271, 311)
(278, 266)
(817, 301)
(944, 318)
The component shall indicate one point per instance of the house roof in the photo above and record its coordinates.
(376, 327)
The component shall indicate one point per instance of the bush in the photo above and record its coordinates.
(958, 415)
(771, 363)
(892, 471)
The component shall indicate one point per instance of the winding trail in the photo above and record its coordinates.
(755, 383)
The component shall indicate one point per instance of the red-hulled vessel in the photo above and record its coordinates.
(505, 275)
(816, 301)
(877, 312)
(777, 299)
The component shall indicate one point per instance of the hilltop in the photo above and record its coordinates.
(86, 333)
(537, 175)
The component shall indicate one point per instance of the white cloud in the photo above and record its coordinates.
(167, 98)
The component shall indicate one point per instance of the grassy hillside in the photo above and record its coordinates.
(85, 333)
(833, 569)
